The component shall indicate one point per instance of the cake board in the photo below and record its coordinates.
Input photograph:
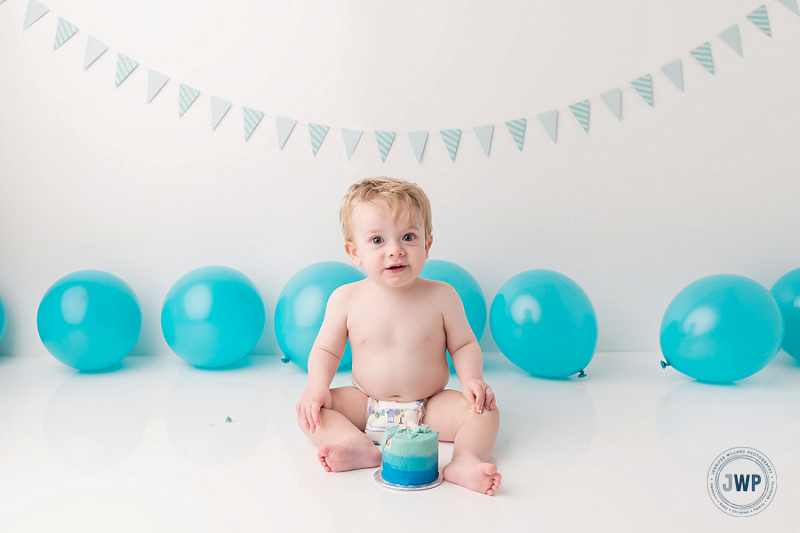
(394, 486)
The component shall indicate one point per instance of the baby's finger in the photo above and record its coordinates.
(479, 399)
(315, 408)
(490, 398)
(301, 416)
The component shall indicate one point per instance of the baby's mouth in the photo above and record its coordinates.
(396, 267)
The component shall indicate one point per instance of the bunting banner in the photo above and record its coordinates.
(64, 31)
(186, 97)
(643, 86)
(418, 139)
(484, 136)
(251, 120)
(155, 82)
(219, 108)
(581, 112)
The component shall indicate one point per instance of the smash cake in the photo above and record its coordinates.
(410, 455)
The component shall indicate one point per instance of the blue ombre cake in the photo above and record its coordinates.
(410, 455)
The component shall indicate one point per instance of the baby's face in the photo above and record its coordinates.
(393, 252)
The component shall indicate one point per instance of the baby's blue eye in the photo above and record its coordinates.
(408, 237)
(377, 240)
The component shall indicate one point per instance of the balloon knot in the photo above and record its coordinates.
(284, 359)
(582, 374)
(665, 364)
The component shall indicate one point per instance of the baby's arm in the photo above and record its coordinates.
(323, 360)
(465, 351)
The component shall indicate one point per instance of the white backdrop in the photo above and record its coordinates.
(92, 176)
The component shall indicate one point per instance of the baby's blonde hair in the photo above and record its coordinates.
(394, 193)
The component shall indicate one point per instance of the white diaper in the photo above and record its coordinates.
(383, 413)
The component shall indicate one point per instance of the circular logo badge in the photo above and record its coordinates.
(742, 481)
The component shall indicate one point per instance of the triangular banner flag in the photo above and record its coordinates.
(251, 120)
(484, 135)
(317, 133)
(385, 140)
(94, 49)
(186, 96)
(155, 82)
(451, 138)
(760, 19)
(644, 86)
(517, 130)
(732, 38)
(285, 127)
(549, 121)
(613, 100)
(418, 140)
(791, 5)
(351, 138)
(35, 11)
(64, 31)
(125, 66)
(703, 56)
(218, 109)
(673, 72)
(581, 112)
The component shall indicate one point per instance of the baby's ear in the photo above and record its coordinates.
(352, 252)
(428, 243)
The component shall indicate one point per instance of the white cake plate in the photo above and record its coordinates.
(394, 486)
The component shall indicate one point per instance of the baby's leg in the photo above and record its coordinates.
(473, 436)
(342, 444)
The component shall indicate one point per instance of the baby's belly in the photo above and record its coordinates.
(400, 378)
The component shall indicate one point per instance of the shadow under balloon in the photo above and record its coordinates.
(216, 419)
(547, 425)
(697, 421)
(95, 420)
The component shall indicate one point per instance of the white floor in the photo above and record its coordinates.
(147, 448)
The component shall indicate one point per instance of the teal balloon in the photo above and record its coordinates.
(721, 328)
(212, 316)
(544, 323)
(89, 320)
(786, 292)
(467, 288)
(301, 308)
(2, 320)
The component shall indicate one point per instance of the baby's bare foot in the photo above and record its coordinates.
(473, 474)
(349, 455)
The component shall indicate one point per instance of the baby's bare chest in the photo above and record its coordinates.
(382, 324)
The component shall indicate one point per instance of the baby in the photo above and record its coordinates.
(399, 326)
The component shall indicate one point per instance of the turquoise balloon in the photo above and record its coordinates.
(467, 288)
(721, 329)
(212, 316)
(301, 308)
(2, 320)
(544, 323)
(89, 320)
(786, 292)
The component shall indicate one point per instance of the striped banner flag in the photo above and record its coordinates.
(581, 112)
(186, 97)
(64, 31)
(644, 86)
(703, 56)
(251, 120)
(125, 66)
(451, 138)
(760, 19)
(317, 133)
(517, 130)
(385, 140)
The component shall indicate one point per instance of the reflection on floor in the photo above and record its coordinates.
(157, 445)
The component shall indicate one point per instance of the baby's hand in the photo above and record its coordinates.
(478, 394)
(311, 401)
